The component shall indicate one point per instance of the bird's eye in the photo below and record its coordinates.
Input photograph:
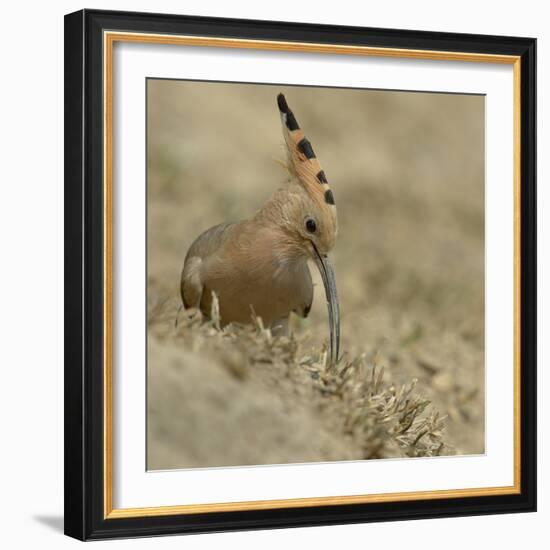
(311, 225)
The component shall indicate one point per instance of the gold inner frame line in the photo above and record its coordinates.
(109, 39)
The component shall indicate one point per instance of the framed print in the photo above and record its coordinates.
(300, 274)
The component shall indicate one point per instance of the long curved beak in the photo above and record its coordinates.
(329, 281)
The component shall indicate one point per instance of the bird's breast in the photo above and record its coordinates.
(259, 281)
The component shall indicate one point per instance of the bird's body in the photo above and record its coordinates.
(259, 266)
(244, 265)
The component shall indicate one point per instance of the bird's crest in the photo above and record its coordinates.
(302, 162)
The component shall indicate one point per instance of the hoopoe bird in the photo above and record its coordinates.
(259, 266)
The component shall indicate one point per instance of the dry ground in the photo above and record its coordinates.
(407, 170)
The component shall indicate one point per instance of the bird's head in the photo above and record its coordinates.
(310, 224)
(309, 212)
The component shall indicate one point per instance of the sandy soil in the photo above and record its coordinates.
(407, 170)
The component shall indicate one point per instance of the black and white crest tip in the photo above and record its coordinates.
(283, 105)
(288, 115)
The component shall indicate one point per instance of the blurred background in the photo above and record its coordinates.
(407, 171)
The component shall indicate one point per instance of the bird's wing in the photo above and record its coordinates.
(191, 284)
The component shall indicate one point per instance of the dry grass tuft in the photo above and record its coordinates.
(373, 418)
(388, 421)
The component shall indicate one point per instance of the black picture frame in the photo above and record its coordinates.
(84, 282)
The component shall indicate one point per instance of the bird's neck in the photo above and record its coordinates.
(280, 209)
(269, 234)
